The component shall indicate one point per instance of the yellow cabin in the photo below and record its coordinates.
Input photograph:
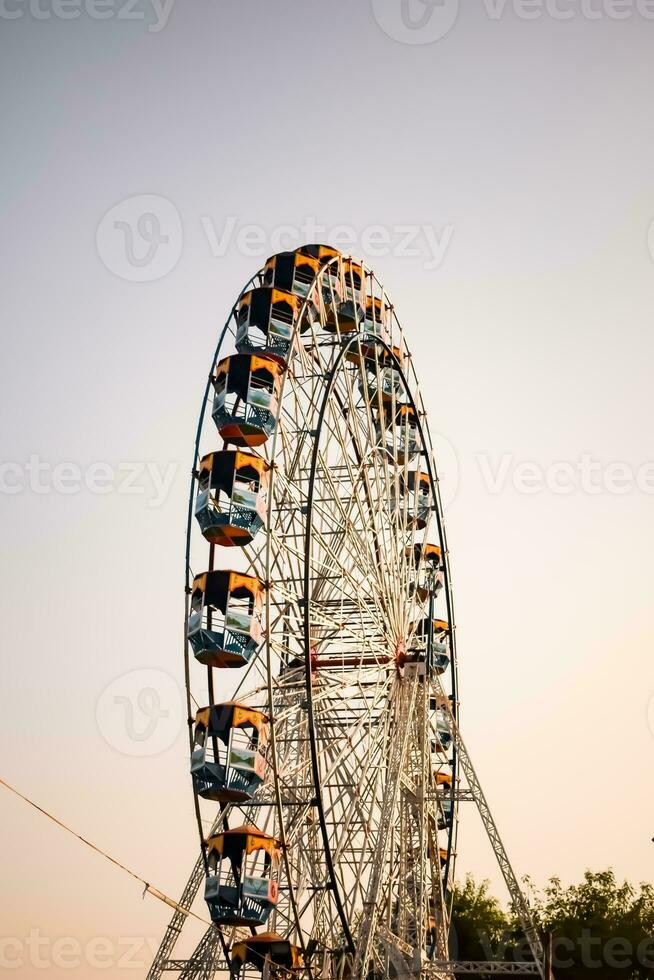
(224, 625)
(266, 321)
(230, 506)
(270, 954)
(247, 391)
(241, 887)
(296, 273)
(398, 434)
(227, 762)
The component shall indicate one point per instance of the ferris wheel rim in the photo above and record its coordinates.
(428, 455)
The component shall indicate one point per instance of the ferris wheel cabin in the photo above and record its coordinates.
(440, 644)
(444, 792)
(375, 319)
(241, 886)
(224, 625)
(383, 378)
(269, 954)
(265, 320)
(247, 389)
(295, 272)
(352, 308)
(430, 556)
(416, 489)
(230, 506)
(397, 433)
(441, 744)
(332, 286)
(227, 763)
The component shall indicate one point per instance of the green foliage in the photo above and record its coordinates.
(479, 925)
(600, 928)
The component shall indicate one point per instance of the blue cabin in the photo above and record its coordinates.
(442, 739)
(224, 625)
(241, 887)
(227, 762)
(230, 506)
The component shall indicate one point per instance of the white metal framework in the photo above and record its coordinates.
(351, 759)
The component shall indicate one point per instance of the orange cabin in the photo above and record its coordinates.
(230, 506)
(224, 625)
(296, 273)
(247, 391)
(351, 311)
(267, 951)
(241, 886)
(331, 280)
(227, 762)
(266, 321)
(399, 435)
(376, 317)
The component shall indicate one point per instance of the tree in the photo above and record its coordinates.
(480, 927)
(600, 928)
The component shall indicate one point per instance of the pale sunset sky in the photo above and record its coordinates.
(496, 169)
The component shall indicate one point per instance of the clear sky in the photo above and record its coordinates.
(496, 169)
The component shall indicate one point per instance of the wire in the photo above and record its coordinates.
(147, 886)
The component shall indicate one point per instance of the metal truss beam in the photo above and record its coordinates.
(204, 962)
(515, 892)
(472, 967)
(174, 927)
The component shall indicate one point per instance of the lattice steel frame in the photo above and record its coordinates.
(338, 532)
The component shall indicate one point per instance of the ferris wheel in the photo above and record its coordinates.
(319, 646)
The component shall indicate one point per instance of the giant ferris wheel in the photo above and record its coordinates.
(319, 646)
